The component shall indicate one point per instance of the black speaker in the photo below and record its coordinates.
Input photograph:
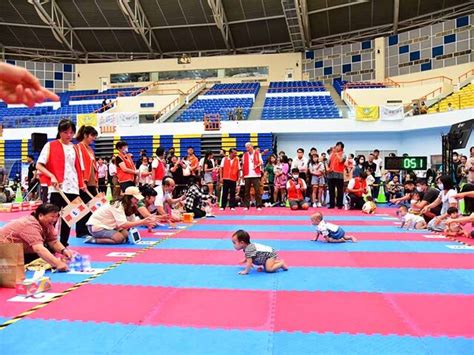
(460, 133)
(38, 140)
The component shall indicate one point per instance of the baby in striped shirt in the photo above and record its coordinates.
(263, 256)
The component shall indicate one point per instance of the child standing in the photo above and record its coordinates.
(331, 232)
(256, 254)
(410, 220)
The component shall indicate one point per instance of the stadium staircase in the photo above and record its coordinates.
(256, 112)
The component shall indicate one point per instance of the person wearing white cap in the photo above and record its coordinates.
(110, 223)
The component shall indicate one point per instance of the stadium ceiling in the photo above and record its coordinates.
(109, 30)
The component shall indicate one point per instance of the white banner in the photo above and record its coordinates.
(391, 112)
(107, 119)
(127, 119)
(121, 119)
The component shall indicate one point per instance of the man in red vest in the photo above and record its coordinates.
(252, 172)
(230, 171)
(336, 175)
(356, 189)
(296, 188)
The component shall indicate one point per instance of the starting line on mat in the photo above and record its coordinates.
(55, 296)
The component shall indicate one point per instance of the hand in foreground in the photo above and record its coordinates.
(61, 266)
(19, 86)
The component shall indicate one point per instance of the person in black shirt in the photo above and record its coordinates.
(429, 195)
(369, 164)
(33, 182)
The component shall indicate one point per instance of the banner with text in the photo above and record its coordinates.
(87, 119)
(367, 113)
(391, 112)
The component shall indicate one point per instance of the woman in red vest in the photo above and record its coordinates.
(158, 167)
(336, 176)
(60, 166)
(126, 171)
(85, 137)
(230, 171)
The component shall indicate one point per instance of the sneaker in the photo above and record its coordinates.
(89, 239)
(318, 204)
(259, 208)
(232, 209)
(246, 208)
(315, 204)
(221, 209)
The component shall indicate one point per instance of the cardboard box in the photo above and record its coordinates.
(29, 287)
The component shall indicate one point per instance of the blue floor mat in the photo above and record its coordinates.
(104, 338)
(296, 279)
(299, 245)
(288, 228)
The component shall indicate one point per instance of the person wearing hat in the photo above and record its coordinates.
(110, 223)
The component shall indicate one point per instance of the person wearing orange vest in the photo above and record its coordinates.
(61, 168)
(126, 171)
(193, 161)
(296, 188)
(356, 189)
(158, 167)
(230, 170)
(85, 136)
(252, 172)
(336, 176)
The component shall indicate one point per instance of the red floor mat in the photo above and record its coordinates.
(405, 236)
(417, 315)
(316, 259)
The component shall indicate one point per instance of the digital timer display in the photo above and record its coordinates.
(406, 163)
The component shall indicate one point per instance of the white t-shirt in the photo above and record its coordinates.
(325, 228)
(301, 164)
(160, 198)
(109, 217)
(378, 170)
(447, 199)
(143, 169)
(70, 184)
(252, 172)
(201, 163)
(411, 218)
(112, 169)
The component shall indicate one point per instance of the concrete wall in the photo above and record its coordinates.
(88, 75)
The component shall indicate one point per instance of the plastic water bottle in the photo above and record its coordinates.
(86, 263)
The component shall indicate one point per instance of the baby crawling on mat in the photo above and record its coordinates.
(264, 257)
(330, 232)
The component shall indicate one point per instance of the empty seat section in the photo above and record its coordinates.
(298, 100)
(223, 107)
(234, 89)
